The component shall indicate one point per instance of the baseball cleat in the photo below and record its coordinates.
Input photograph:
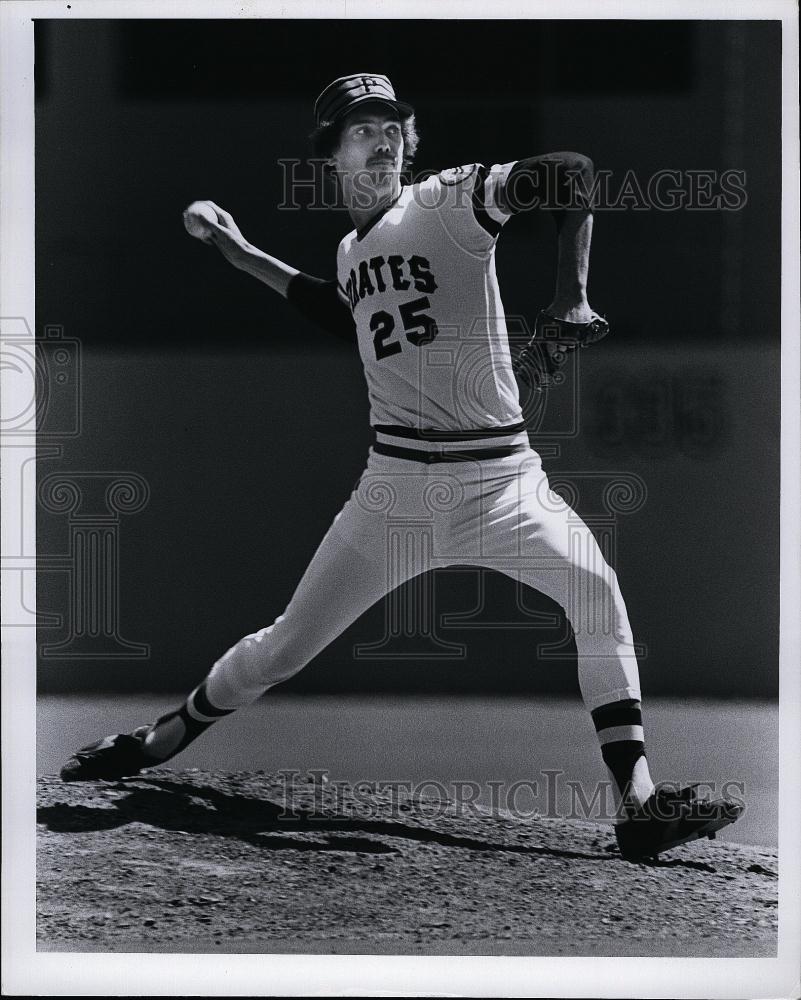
(112, 757)
(672, 817)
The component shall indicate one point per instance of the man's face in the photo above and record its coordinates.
(369, 156)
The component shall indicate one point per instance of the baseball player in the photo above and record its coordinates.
(451, 477)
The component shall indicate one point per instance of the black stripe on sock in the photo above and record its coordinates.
(192, 729)
(618, 713)
(200, 701)
(620, 757)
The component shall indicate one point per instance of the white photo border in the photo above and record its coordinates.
(28, 972)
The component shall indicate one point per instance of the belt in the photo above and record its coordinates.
(427, 457)
(427, 434)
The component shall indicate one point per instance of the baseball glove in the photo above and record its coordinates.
(547, 350)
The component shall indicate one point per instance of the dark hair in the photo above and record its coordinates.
(325, 139)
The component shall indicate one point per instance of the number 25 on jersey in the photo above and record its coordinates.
(419, 326)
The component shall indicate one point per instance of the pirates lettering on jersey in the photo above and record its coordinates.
(378, 274)
(422, 289)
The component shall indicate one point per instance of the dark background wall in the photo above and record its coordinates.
(250, 427)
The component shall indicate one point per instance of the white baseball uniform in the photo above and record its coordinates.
(451, 478)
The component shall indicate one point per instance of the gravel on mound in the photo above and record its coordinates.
(251, 862)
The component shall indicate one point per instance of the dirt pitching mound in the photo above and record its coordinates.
(204, 862)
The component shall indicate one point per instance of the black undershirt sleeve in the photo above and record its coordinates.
(319, 301)
(556, 182)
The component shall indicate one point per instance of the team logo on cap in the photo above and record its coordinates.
(456, 175)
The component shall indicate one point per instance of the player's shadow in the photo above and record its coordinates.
(180, 808)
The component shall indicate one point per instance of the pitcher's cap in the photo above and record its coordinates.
(347, 91)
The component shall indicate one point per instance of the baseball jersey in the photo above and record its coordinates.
(421, 285)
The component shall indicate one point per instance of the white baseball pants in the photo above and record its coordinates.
(406, 517)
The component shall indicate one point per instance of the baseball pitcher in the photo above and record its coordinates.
(451, 477)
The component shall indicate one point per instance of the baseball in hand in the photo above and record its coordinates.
(196, 217)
